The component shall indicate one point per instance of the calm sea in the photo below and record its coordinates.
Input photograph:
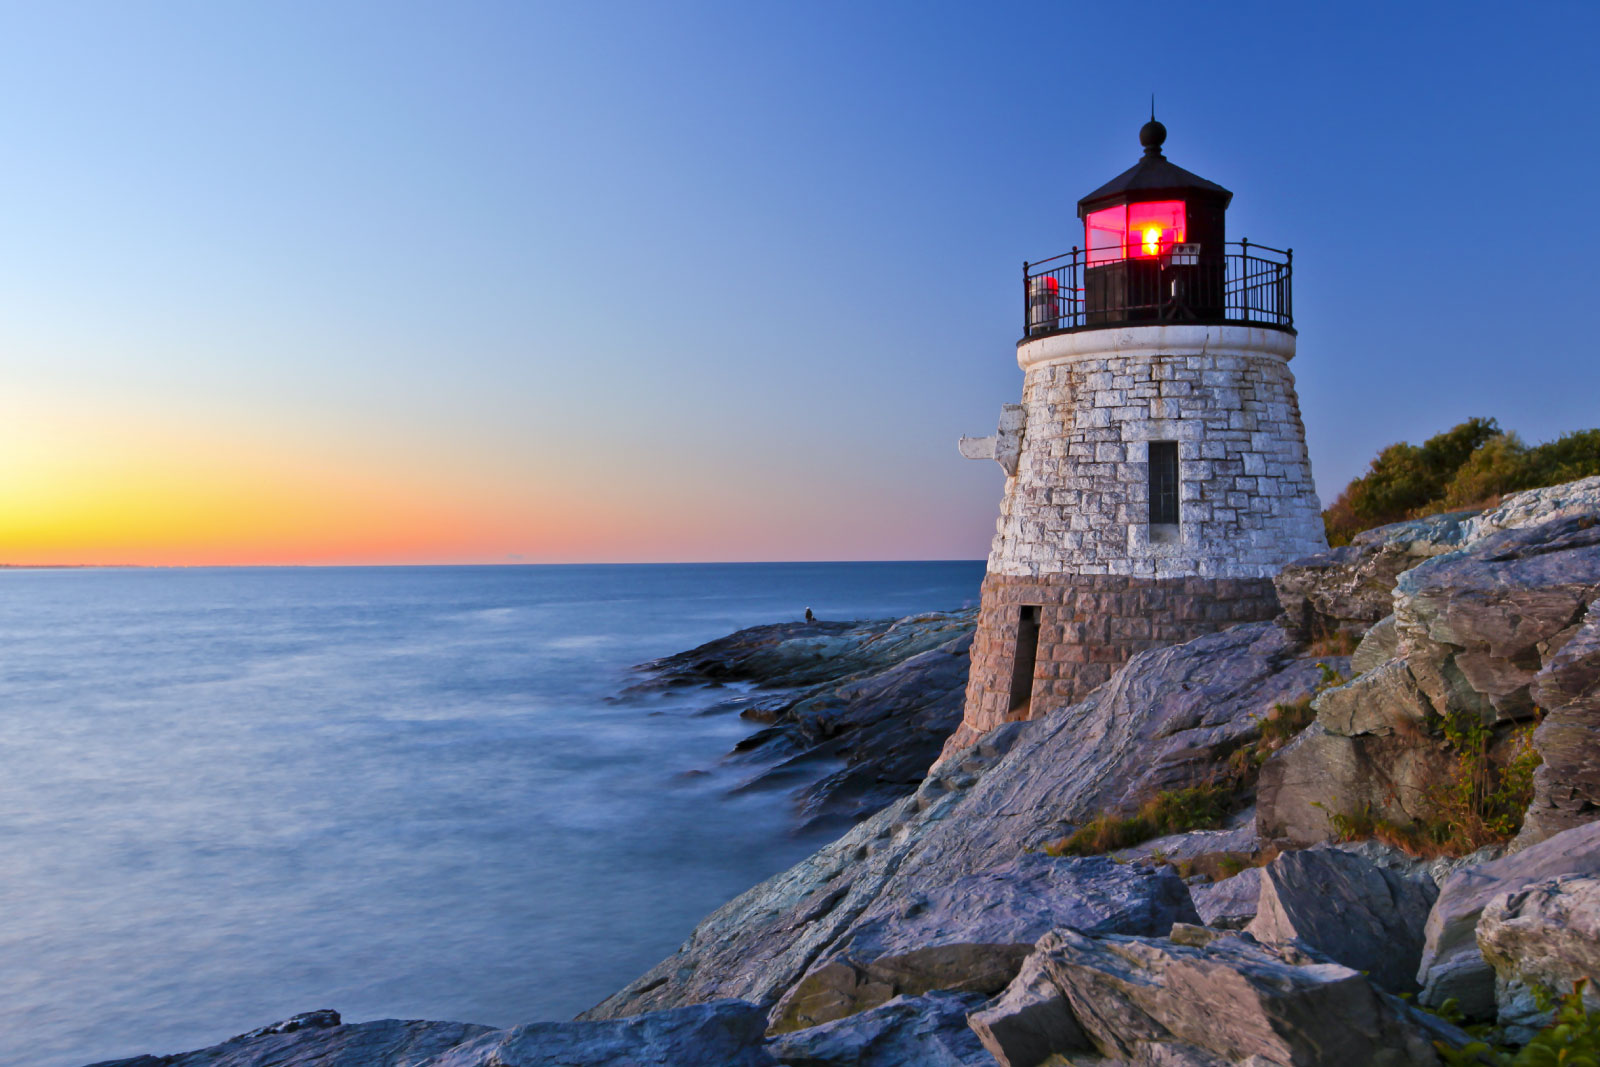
(230, 795)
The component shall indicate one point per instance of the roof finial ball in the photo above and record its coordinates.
(1152, 135)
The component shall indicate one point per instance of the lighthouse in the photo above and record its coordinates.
(1156, 468)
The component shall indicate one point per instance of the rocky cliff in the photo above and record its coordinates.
(957, 925)
(853, 712)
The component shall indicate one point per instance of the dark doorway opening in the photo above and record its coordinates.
(1027, 653)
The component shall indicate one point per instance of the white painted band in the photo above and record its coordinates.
(1169, 340)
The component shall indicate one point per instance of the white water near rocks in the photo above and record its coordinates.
(231, 795)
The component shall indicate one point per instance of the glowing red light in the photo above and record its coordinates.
(1134, 231)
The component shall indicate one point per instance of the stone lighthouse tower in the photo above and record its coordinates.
(1156, 469)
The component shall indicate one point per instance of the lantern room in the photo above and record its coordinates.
(1155, 250)
(1154, 238)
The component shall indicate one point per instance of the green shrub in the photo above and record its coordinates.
(1481, 802)
(1500, 466)
(1404, 477)
(1571, 1040)
(1566, 459)
(1472, 463)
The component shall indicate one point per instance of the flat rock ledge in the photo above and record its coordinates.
(322, 1039)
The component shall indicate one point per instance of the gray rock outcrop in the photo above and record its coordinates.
(321, 1039)
(1378, 646)
(971, 934)
(1566, 786)
(925, 1031)
(1480, 632)
(1347, 589)
(1349, 909)
(1205, 999)
(1368, 751)
(864, 708)
(1477, 625)
(1533, 506)
(1452, 964)
(1543, 937)
(1238, 838)
(798, 655)
(1163, 722)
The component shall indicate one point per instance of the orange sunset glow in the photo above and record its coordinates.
(103, 490)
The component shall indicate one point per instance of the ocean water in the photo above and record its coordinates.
(231, 795)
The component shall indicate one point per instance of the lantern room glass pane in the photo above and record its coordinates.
(1134, 231)
(1106, 234)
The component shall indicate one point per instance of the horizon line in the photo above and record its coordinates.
(499, 563)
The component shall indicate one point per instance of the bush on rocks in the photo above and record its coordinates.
(1472, 463)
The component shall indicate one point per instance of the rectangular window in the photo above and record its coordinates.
(1027, 652)
(1163, 483)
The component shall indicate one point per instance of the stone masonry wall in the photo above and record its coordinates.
(1079, 501)
(1089, 626)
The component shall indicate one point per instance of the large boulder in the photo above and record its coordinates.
(972, 933)
(1452, 964)
(1566, 786)
(1213, 999)
(322, 1039)
(1368, 751)
(1378, 646)
(1164, 721)
(1347, 589)
(1349, 909)
(1542, 938)
(725, 1032)
(1030, 1021)
(1229, 904)
(925, 1031)
(1382, 701)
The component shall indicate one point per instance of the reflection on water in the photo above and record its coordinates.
(230, 795)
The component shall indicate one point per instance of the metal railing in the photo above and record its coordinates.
(1247, 283)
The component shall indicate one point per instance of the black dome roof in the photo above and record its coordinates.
(1155, 177)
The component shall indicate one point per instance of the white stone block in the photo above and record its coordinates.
(1108, 454)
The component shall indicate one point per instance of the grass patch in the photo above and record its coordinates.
(1216, 866)
(1200, 807)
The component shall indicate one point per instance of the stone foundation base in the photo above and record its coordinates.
(1089, 625)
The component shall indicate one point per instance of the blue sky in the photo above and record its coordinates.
(722, 281)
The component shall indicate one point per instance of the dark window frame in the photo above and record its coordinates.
(1163, 483)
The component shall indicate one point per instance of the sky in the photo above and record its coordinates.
(485, 282)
